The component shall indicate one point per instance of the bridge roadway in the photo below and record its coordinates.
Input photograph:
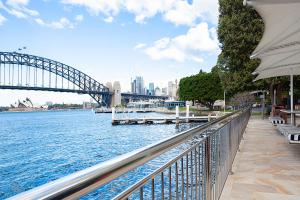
(124, 95)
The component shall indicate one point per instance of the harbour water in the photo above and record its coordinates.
(38, 147)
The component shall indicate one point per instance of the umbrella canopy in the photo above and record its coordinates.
(279, 49)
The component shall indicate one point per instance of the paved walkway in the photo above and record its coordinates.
(266, 167)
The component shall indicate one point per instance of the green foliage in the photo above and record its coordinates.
(203, 87)
(239, 32)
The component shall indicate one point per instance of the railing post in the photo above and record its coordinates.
(208, 169)
(187, 113)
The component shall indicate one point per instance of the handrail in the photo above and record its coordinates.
(85, 181)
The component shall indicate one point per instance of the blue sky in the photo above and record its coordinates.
(112, 40)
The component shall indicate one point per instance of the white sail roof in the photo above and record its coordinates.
(279, 48)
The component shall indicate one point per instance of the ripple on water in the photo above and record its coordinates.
(39, 147)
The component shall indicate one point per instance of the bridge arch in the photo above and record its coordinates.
(13, 62)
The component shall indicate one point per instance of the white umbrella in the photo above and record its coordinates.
(279, 49)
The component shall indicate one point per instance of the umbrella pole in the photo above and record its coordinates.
(292, 99)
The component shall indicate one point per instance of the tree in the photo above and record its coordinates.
(240, 30)
(203, 87)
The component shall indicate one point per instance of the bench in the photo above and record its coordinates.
(291, 132)
(276, 120)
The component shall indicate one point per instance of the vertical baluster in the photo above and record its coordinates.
(199, 168)
(153, 189)
(202, 171)
(142, 192)
(182, 179)
(196, 173)
(162, 186)
(207, 168)
(187, 175)
(192, 181)
(170, 183)
(176, 176)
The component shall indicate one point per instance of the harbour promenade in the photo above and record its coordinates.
(266, 166)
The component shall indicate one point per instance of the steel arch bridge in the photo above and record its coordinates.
(28, 72)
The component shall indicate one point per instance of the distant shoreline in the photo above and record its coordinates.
(40, 110)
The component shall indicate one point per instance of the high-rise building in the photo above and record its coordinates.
(137, 85)
(172, 89)
(157, 91)
(164, 91)
(151, 89)
(133, 86)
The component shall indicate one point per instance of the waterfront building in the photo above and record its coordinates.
(173, 104)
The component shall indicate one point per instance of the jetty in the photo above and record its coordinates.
(161, 120)
(166, 120)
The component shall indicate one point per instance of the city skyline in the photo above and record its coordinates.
(112, 40)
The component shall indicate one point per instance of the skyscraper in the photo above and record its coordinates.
(151, 89)
(137, 85)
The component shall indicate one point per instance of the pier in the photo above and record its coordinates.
(166, 120)
(161, 120)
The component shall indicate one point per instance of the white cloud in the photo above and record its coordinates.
(145, 9)
(2, 19)
(18, 8)
(179, 12)
(106, 7)
(79, 18)
(139, 46)
(197, 59)
(60, 24)
(17, 2)
(109, 19)
(198, 39)
(185, 13)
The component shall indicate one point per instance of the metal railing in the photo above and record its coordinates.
(198, 172)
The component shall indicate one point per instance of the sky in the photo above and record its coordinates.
(112, 40)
